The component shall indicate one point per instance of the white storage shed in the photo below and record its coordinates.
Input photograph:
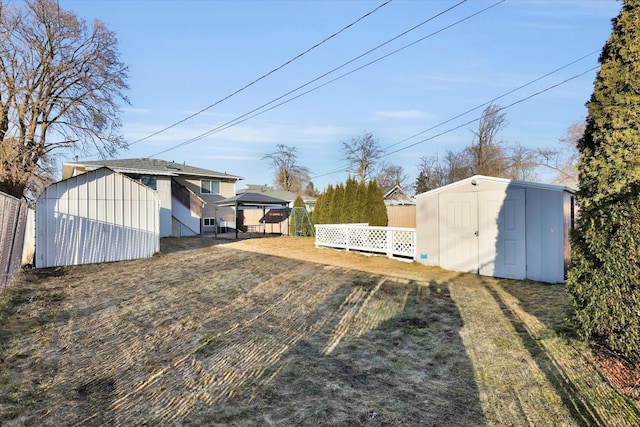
(98, 216)
(497, 227)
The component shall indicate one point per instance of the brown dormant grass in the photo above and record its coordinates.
(276, 332)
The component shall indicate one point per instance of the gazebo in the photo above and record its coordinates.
(255, 200)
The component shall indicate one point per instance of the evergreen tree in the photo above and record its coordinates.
(321, 210)
(349, 212)
(335, 208)
(376, 209)
(361, 204)
(604, 278)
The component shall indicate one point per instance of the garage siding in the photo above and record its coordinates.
(98, 216)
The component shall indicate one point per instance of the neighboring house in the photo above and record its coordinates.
(401, 208)
(274, 220)
(97, 216)
(497, 227)
(397, 196)
(187, 194)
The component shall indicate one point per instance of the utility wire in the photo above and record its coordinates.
(251, 114)
(264, 75)
(499, 109)
(521, 100)
(494, 99)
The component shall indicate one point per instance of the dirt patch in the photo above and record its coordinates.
(623, 376)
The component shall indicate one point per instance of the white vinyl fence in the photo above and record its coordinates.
(391, 241)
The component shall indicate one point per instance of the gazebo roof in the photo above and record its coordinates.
(251, 199)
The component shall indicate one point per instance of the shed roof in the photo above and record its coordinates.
(478, 178)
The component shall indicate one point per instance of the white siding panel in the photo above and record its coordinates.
(164, 194)
(95, 217)
(187, 218)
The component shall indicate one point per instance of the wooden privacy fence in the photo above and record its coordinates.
(391, 241)
(401, 216)
(13, 220)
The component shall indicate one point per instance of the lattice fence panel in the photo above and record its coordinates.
(404, 243)
(386, 240)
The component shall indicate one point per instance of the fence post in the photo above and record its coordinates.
(348, 237)
(12, 227)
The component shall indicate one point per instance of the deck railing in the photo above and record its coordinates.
(391, 241)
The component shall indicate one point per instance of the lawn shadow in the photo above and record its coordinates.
(569, 392)
(549, 303)
(394, 358)
(170, 245)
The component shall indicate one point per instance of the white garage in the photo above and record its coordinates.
(98, 216)
(496, 227)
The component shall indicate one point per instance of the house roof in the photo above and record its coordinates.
(148, 166)
(397, 196)
(478, 178)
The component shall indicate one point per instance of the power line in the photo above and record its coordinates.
(344, 169)
(495, 99)
(264, 75)
(500, 109)
(250, 114)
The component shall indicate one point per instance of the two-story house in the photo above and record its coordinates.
(187, 194)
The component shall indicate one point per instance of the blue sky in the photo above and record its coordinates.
(186, 55)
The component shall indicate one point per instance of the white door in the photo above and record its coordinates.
(458, 235)
(501, 235)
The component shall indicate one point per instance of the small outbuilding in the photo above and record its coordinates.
(260, 201)
(497, 227)
(97, 216)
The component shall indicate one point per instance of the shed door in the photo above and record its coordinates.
(458, 230)
(483, 233)
(502, 238)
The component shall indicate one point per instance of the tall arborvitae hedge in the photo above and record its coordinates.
(349, 213)
(604, 278)
(351, 203)
(376, 208)
(335, 208)
(320, 214)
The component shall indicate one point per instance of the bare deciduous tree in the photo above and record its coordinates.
(362, 153)
(522, 163)
(563, 159)
(288, 174)
(431, 174)
(388, 176)
(487, 155)
(60, 85)
(435, 172)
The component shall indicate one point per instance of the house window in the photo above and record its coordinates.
(150, 181)
(209, 222)
(209, 186)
